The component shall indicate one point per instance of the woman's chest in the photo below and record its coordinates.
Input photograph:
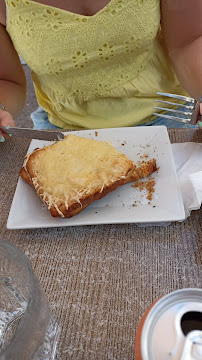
(55, 42)
(81, 7)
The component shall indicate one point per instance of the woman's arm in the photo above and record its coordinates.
(182, 29)
(12, 77)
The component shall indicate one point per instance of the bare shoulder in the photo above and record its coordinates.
(2, 12)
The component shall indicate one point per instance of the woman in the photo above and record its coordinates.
(98, 64)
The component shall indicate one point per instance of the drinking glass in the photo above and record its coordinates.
(28, 331)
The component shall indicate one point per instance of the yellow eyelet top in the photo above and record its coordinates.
(95, 71)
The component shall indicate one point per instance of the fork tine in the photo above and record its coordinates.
(189, 107)
(175, 96)
(173, 110)
(187, 121)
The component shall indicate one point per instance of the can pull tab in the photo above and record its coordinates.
(193, 346)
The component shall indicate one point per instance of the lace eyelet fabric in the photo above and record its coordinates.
(81, 65)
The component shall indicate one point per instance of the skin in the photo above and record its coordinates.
(181, 27)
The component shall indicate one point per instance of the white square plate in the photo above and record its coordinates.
(27, 210)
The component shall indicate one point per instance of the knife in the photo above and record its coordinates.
(33, 134)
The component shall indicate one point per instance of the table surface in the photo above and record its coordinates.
(99, 280)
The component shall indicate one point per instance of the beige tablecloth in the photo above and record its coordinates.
(99, 280)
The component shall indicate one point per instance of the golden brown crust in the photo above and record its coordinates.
(63, 208)
(147, 168)
(144, 170)
(25, 176)
(32, 157)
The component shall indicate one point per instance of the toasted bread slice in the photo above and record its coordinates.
(72, 173)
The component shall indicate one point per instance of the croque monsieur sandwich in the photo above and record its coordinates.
(72, 173)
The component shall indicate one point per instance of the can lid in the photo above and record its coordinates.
(167, 326)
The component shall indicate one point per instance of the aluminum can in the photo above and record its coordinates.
(171, 329)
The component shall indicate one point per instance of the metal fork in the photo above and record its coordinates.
(189, 116)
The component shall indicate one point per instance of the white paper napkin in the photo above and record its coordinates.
(188, 163)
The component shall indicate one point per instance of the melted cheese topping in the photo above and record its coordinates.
(75, 168)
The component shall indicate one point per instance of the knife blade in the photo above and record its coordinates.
(33, 134)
